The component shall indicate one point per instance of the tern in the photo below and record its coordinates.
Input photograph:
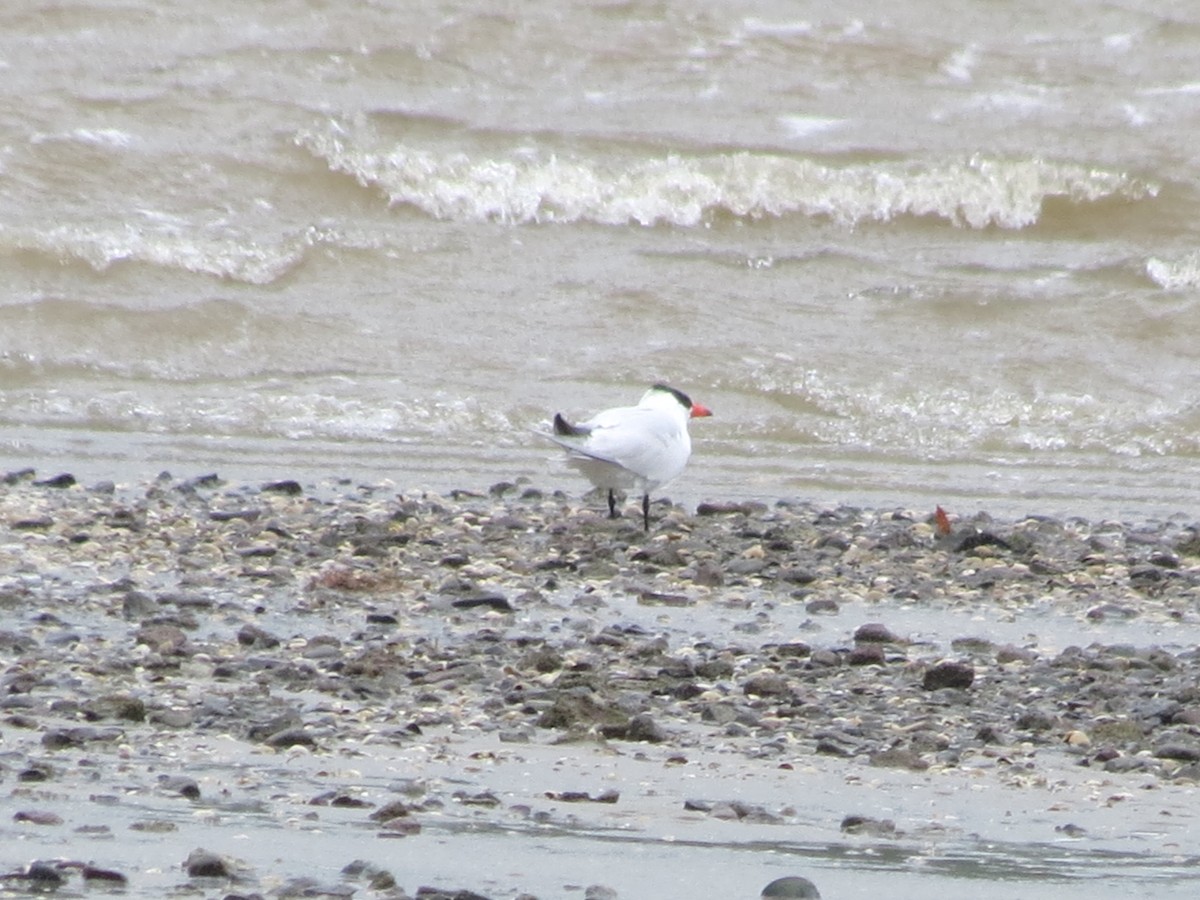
(637, 448)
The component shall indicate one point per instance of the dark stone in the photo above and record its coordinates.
(796, 575)
(287, 486)
(1181, 752)
(37, 817)
(181, 785)
(828, 747)
(382, 619)
(115, 706)
(793, 650)
(227, 515)
(1036, 720)
(707, 574)
(981, 539)
(63, 738)
(766, 684)
(108, 876)
(987, 734)
(822, 607)
(191, 485)
(866, 655)
(394, 810)
(250, 635)
(291, 737)
(36, 523)
(166, 639)
(205, 864)
(543, 660)
(65, 480)
(572, 710)
(747, 508)
(949, 675)
(44, 875)
(643, 728)
(793, 887)
(490, 601)
(874, 633)
(856, 824)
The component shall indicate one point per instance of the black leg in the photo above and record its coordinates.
(612, 504)
(646, 511)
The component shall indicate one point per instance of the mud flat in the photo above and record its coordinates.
(341, 690)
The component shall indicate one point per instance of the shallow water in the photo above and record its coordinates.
(906, 263)
(645, 846)
(910, 256)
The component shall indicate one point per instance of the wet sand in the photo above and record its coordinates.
(295, 689)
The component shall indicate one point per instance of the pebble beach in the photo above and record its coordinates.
(286, 689)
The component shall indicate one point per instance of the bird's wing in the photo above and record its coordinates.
(634, 438)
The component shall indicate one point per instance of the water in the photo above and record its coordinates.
(906, 263)
(909, 254)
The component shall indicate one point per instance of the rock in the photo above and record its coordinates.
(37, 817)
(959, 675)
(291, 737)
(431, 893)
(874, 633)
(792, 887)
(1036, 720)
(981, 539)
(180, 784)
(766, 684)
(644, 728)
(33, 523)
(1010, 654)
(252, 636)
(205, 864)
(62, 738)
(115, 706)
(1178, 751)
(569, 711)
(17, 476)
(866, 655)
(43, 876)
(496, 602)
(797, 575)
(65, 480)
(868, 825)
(747, 508)
(822, 607)
(395, 810)
(105, 876)
(287, 486)
(165, 639)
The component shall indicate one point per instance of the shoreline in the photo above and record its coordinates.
(514, 661)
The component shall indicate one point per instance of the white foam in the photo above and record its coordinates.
(690, 190)
(802, 126)
(165, 242)
(1173, 275)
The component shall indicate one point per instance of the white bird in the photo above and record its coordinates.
(632, 447)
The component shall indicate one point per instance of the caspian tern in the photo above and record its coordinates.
(632, 447)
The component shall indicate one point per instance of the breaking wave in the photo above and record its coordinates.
(1175, 274)
(232, 257)
(530, 187)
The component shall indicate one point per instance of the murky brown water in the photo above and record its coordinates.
(909, 256)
